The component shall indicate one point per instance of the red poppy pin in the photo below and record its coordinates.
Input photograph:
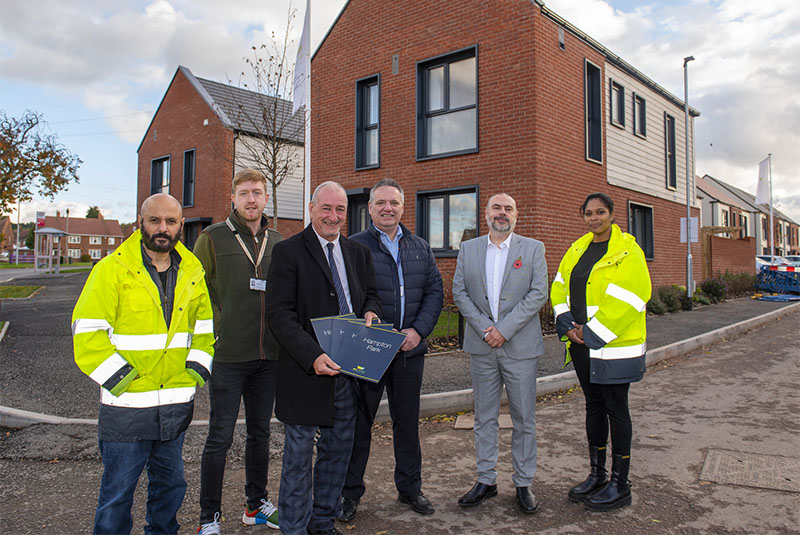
(518, 263)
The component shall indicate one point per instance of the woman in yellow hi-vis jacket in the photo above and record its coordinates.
(599, 297)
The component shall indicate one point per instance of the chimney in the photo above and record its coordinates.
(58, 213)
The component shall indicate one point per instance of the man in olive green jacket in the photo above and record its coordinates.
(236, 254)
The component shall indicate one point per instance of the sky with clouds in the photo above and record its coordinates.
(97, 70)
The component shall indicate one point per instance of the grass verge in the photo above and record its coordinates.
(17, 292)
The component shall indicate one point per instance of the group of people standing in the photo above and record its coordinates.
(152, 315)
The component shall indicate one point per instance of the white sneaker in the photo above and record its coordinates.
(266, 513)
(210, 528)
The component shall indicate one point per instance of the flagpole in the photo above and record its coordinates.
(771, 223)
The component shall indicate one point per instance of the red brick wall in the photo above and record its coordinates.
(531, 118)
(732, 255)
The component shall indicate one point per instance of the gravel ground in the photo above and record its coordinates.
(37, 371)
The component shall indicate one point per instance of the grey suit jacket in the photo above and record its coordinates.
(523, 293)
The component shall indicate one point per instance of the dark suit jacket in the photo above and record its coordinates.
(300, 287)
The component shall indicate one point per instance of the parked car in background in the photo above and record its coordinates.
(793, 260)
(769, 260)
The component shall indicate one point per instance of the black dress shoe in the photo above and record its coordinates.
(526, 500)
(418, 503)
(332, 531)
(347, 510)
(477, 494)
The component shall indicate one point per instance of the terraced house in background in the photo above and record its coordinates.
(85, 236)
(460, 100)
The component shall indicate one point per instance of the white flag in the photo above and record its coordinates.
(762, 191)
(302, 64)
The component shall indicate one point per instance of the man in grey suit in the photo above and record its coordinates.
(499, 286)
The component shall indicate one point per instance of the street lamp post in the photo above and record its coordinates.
(689, 288)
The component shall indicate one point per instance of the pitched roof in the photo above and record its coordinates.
(85, 226)
(719, 193)
(749, 199)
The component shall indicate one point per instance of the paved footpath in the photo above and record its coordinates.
(738, 396)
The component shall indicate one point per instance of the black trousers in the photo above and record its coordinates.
(402, 381)
(606, 406)
(253, 381)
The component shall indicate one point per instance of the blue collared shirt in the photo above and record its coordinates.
(394, 248)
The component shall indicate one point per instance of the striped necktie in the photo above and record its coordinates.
(337, 282)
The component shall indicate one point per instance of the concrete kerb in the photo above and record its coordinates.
(459, 400)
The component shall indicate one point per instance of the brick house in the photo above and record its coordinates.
(8, 235)
(85, 236)
(461, 100)
(786, 233)
(197, 141)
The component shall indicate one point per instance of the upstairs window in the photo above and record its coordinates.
(594, 120)
(159, 175)
(669, 144)
(617, 104)
(188, 177)
(639, 115)
(368, 123)
(447, 105)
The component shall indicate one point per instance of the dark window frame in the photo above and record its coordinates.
(639, 119)
(670, 152)
(423, 68)
(646, 240)
(616, 104)
(160, 188)
(363, 127)
(593, 111)
(189, 181)
(423, 198)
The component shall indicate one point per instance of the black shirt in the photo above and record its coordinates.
(580, 278)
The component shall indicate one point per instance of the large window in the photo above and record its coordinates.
(188, 177)
(94, 254)
(447, 104)
(640, 226)
(594, 119)
(617, 104)
(669, 144)
(95, 240)
(73, 239)
(368, 122)
(159, 176)
(447, 217)
(639, 115)
(74, 253)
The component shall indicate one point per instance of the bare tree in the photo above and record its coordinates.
(269, 135)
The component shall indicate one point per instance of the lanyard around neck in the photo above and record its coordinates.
(255, 263)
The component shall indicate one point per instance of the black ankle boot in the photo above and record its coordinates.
(597, 475)
(617, 492)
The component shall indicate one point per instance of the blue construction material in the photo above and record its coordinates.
(781, 282)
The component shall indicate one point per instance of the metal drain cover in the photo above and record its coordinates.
(752, 470)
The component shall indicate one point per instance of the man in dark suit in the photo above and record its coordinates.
(316, 273)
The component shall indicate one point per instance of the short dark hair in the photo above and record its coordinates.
(602, 197)
(390, 182)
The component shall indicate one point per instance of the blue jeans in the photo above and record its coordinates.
(301, 504)
(123, 463)
(230, 382)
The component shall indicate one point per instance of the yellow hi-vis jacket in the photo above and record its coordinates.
(616, 297)
(121, 339)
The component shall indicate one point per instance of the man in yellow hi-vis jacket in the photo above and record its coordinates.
(143, 330)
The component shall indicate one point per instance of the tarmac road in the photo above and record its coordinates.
(738, 396)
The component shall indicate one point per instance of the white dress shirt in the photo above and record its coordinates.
(496, 257)
(339, 259)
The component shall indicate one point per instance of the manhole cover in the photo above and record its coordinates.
(752, 470)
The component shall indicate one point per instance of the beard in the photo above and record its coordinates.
(150, 240)
(501, 226)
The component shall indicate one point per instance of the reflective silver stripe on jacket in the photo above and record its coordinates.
(150, 342)
(88, 325)
(626, 296)
(201, 357)
(107, 368)
(204, 327)
(154, 398)
(606, 334)
(560, 309)
(622, 352)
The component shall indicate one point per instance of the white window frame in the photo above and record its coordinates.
(73, 239)
(74, 253)
(96, 254)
